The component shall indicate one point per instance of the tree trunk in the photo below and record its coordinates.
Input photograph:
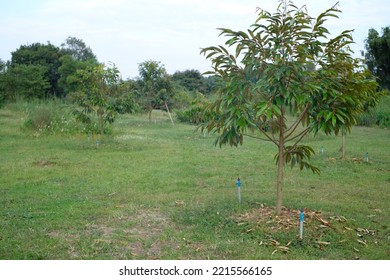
(279, 182)
(100, 113)
(150, 115)
(169, 113)
(343, 144)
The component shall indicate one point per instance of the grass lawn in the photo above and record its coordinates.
(157, 191)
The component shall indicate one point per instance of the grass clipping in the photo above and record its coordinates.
(321, 230)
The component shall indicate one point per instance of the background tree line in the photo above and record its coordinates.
(45, 71)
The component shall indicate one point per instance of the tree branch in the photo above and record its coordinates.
(294, 126)
(270, 137)
(300, 135)
(263, 139)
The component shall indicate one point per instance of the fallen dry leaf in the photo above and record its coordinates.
(284, 248)
(323, 242)
(324, 222)
(338, 218)
(274, 242)
(179, 202)
(363, 242)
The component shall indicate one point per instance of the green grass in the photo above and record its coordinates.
(157, 191)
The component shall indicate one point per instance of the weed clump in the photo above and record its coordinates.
(49, 118)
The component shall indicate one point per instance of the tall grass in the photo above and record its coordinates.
(45, 117)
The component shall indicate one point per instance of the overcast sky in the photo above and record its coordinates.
(128, 32)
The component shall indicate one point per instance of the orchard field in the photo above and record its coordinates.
(153, 190)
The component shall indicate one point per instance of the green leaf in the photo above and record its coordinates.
(334, 120)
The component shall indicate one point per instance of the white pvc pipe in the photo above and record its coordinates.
(301, 219)
(239, 190)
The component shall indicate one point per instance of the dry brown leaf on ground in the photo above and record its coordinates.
(323, 242)
(284, 249)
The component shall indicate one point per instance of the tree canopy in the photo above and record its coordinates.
(78, 50)
(59, 66)
(377, 56)
(154, 86)
(192, 80)
(98, 85)
(43, 55)
(24, 81)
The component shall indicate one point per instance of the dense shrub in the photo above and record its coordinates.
(380, 115)
(2, 99)
(197, 113)
(193, 115)
(367, 119)
(182, 99)
(124, 104)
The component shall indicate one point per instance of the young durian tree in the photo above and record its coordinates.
(285, 63)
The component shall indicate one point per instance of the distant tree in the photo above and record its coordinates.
(270, 74)
(124, 99)
(68, 80)
(3, 66)
(44, 55)
(366, 95)
(192, 80)
(213, 83)
(76, 56)
(197, 112)
(155, 87)
(98, 86)
(24, 81)
(377, 55)
(2, 81)
(78, 50)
